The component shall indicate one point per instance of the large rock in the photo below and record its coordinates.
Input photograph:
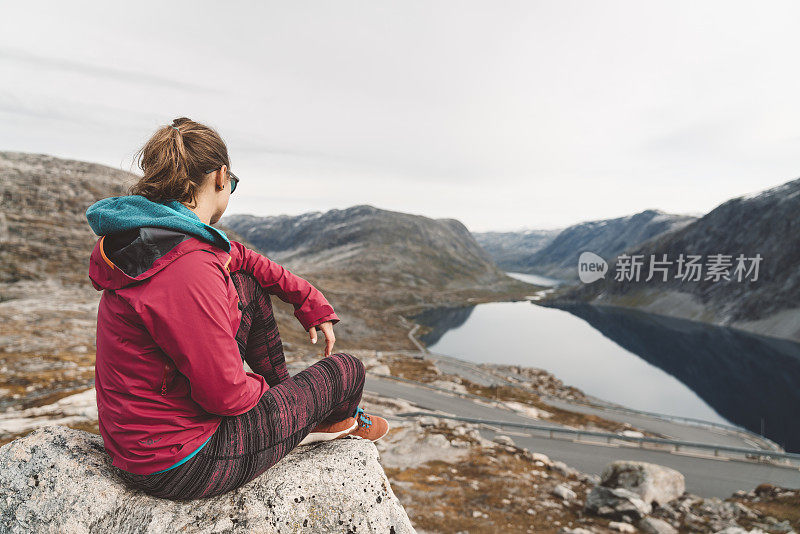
(653, 483)
(653, 525)
(57, 479)
(616, 503)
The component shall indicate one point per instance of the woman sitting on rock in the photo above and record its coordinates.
(182, 308)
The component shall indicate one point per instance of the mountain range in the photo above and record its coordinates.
(765, 301)
(373, 244)
(380, 267)
(554, 253)
(512, 251)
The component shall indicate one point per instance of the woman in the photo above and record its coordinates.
(182, 308)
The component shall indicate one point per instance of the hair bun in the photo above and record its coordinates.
(175, 161)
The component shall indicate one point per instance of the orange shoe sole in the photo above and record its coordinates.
(315, 437)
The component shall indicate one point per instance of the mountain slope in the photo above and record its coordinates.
(765, 224)
(374, 244)
(43, 228)
(380, 266)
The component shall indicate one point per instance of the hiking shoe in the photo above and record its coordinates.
(371, 427)
(329, 431)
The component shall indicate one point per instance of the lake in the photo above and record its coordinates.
(537, 279)
(639, 360)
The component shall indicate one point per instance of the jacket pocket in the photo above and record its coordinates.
(235, 305)
(167, 368)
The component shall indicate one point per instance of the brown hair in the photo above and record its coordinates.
(176, 159)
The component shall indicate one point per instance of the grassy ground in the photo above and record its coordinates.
(502, 489)
(770, 502)
(30, 379)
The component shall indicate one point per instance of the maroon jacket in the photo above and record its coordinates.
(168, 366)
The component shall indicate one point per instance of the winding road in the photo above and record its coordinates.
(706, 475)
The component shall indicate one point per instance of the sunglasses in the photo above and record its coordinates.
(234, 178)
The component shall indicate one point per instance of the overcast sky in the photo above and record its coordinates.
(504, 115)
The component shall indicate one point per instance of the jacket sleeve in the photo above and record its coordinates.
(186, 309)
(310, 306)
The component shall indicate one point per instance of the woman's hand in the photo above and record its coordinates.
(327, 329)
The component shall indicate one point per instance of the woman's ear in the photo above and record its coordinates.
(219, 178)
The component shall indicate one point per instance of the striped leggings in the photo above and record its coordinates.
(246, 445)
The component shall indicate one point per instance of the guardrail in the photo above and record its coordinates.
(606, 405)
(489, 399)
(677, 419)
(676, 444)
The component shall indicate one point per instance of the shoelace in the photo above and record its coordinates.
(362, 417)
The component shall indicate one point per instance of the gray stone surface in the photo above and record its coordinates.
(564, 492)
(653, 525)
(57, 479)
(616, 503)
(652, 482)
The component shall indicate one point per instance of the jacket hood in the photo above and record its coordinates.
(139, 237)
(117, 214)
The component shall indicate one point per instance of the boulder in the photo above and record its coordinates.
(502, 439)
(626, 528)
(409, 445)
(539, 457)
(57, 479)
(564, 469)
(653, 483)
(564, 492)
(653, 525)
(616, 503)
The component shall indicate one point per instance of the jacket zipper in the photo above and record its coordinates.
(164, 379)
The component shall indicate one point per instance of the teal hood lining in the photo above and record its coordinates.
(117, 214)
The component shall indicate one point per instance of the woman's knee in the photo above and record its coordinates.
(351, 364)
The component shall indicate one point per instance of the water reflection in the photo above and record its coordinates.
(640, 360)
(750, 380)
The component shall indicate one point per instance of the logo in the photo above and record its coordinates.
(591, 267)
(687, 267)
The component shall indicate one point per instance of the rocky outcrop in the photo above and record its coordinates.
(653, 525)
(654, 484)
(57, 479)
(628, 490)
(693, 513)
(652, 499)
(616, 503)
